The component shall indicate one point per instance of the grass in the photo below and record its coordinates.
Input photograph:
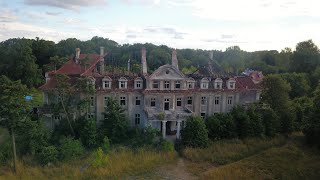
(118, 164)
(292, 161)
(226, 151)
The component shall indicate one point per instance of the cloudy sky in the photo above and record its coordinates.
(204, 24)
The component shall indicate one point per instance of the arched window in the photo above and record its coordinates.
(138, 83)
(123, 83)
(204, 83)
(106, 83)
(190, 83)
(231, 83)
(218, 83)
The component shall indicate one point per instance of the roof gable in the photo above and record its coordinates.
(167, 72)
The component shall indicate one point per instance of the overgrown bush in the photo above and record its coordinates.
(89, 133)
(220, 126)
(195, 133)
(105, 146)
(47, 155)
(5, 152)
(241, 120)
(167, 146)
(98, 158)
(70, 148)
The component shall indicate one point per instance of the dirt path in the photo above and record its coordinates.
(176, 171)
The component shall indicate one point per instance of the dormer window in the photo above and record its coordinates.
(218, 83)
(106, 83)
(123, 83)
(190, 83)
(138, 83)
(204, 83)
(231, 83)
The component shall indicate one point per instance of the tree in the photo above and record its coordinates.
(221, 126)
(270, 121)
(299, 84)
(195, 133)
(14, 109)
(306, 57)
(241, 120)
(276, 94)
(115, 124)
(255, 122)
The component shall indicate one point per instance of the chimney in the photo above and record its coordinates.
(77, 55)
(174, 59)
(101, 63)
(144, 61)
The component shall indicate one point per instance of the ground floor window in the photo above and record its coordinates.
(137, 119)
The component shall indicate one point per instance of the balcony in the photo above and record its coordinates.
(171, 115)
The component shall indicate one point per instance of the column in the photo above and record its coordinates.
(164, 129)
(178, 129)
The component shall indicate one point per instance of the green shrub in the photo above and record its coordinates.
(89, 133)
(5, 152)
(47, 155)
(195, 133)
(70, 148)
(105, 146)
(167, 146)
(98, 158)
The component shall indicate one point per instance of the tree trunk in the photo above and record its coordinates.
(14, 151)
(67, 118)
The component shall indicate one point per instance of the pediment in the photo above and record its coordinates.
(167, 72)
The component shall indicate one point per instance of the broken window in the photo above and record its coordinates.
(216, 100)
(203, 100)
(137, 101)
(122, 100)
(189, 100)
(153, 102)
(179, 102)
(155, 84)
(178, 84)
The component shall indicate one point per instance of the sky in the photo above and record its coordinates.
(199, 24)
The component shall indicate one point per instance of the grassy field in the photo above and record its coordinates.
(274, 158)
(291, 161)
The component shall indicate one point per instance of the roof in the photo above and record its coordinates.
(245, 82)
(71, 68)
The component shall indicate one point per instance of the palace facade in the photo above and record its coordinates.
(163, 99)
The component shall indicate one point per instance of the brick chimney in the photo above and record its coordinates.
(101, 63)
(174, 59)
(144, 61)
(77, 55)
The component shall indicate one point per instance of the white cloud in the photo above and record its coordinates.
(7, 15)
(66, 4)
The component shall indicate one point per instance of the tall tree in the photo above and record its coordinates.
(306, 57)
(14, 109)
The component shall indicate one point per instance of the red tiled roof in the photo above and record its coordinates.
(71, 68)
(245, 82)
(52, 83)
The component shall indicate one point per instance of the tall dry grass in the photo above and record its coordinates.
(226, 151)
(117, 164)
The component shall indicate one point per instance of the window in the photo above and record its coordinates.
(204, 83)
(231, 85)
(106, 85)
(166, 84)
(229, 100)
(106, 99)
(137, 101)
(189, 100)
(123, 83)
(56, 117)
(91, 101)
(203, 100)
(216, 100)
(190, 85)
(137, 119)
(122, 100)
(155, 84)
(90, 115)
(153, 102)
(179, 102)
(138, 83)
(203, 115)
(218, 83)
(178, 84)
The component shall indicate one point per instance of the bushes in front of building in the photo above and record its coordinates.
(195, 134)
(70, 148)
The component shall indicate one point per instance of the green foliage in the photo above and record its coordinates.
(48, 154)
(5, 152)
(115, 124)
(106, 147)
(70, 148)
(167, 146)
(195, 133)
(255, 123)
(270, 121)
(299, 84)
(242, 121)
(221, 126)
(88, 132)
(306, 57)
(98, 158)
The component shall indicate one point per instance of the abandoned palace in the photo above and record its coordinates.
(162, 99)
